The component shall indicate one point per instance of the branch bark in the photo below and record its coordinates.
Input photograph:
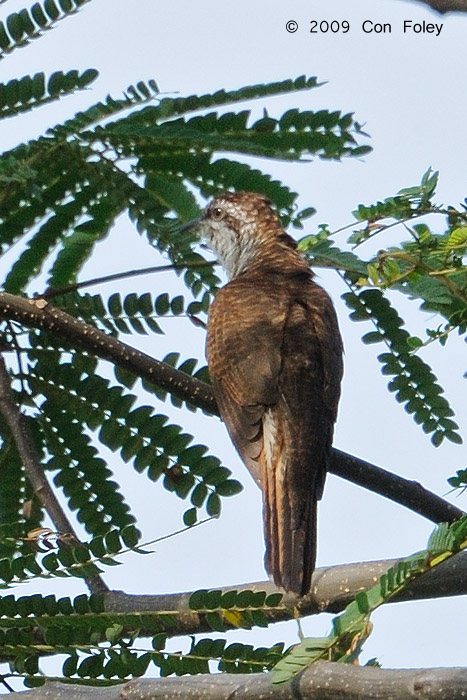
(38, 313)
(443, 6)
(332, 589)
(410, 494)
(322, 681)
(24, 442)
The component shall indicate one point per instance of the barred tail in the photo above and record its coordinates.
(290, 509)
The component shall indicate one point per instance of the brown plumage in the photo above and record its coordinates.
(275, 358)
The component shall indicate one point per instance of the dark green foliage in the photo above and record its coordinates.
(154, 160)
(171, 154)
(414, 383)
(99, 111)
(29, 92)
(324, 134)
(20, 27)
(69, 558)
(244, 609)
(409, 202)
(64, 626)
(134, 313)
(460, 480)
(429, 267)
(78, 246)
(206, 600)
(19, 508)
(321, 252)
(79, 400)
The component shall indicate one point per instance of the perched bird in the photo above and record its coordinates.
(275, 358)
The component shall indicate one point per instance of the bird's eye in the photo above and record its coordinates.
(217, 213)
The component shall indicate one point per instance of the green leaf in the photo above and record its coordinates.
(230, 487)
(199, 495)
(190, 517)
(213, 505)
(414, 383)
(19, 27)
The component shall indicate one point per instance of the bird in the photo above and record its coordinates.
(274, 355)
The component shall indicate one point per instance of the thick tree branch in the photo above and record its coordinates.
(25, 445)
(410, 494)
(322, 681)
(37, 313)
(332, 589)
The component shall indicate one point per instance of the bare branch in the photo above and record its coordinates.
(332, 589)
(22, 437)
(443, 6)
(410, 494)
(37, 313)
(321, 681)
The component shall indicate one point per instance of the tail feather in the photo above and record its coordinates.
(290, 511)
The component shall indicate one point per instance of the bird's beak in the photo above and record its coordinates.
(190, 225)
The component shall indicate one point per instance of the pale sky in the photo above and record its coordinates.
(408, 89)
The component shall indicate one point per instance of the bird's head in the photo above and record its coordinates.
(239, 227)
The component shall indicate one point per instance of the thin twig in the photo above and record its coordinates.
(22, 437)
(58, 291)
(39, 314)
(379, 227)
(6, 684)
(417, 262)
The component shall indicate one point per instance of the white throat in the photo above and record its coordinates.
(234, 254)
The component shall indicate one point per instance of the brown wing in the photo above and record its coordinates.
(274, 353)
(303, 418)
(244, 359)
